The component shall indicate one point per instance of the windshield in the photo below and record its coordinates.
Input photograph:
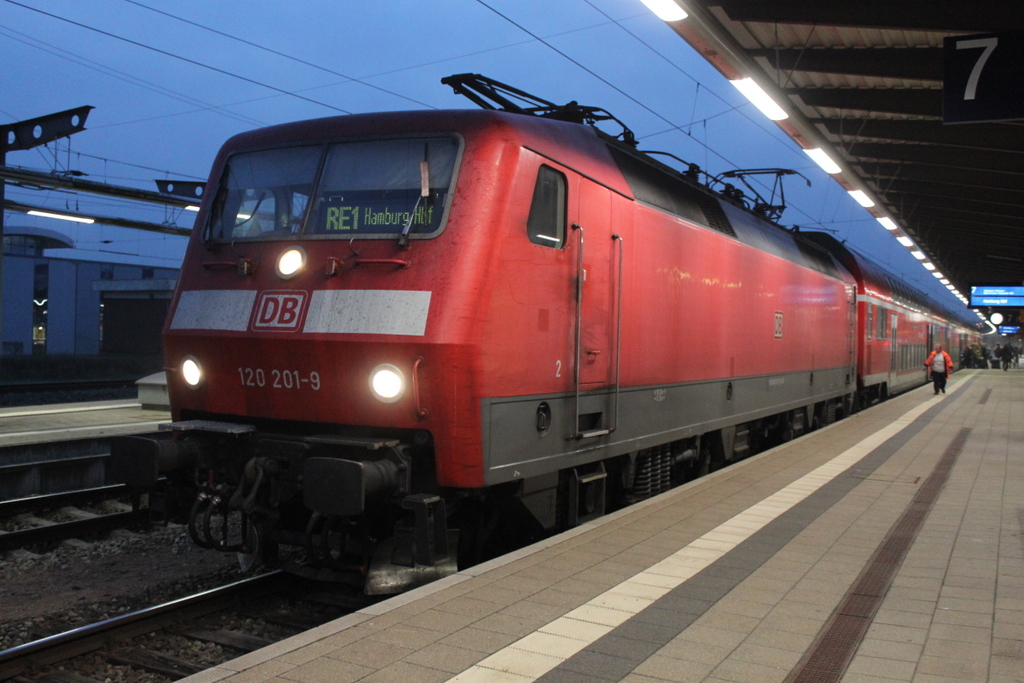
(369, 188)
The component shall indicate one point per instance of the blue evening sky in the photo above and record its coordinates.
(168, 91)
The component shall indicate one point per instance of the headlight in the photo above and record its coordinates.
(290, 262)
(191, 372)
(387, 383)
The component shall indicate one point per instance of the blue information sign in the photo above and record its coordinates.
(1009, 329)
(998, 296)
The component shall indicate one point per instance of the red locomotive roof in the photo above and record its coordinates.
(574, 145)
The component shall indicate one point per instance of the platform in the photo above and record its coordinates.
(891, 541)
(77, 421)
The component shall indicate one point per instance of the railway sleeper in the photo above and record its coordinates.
(235, 640)
(57, 677)
(155, 662)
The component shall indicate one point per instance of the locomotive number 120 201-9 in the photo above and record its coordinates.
(279, 379)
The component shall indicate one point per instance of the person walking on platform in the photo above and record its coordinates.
(1007, 357)
(940, 364)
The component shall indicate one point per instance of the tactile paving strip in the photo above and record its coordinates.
(839, 639)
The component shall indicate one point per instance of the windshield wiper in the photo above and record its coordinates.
(403, 239)
(253, 214)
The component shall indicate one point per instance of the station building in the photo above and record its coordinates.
(65, 306)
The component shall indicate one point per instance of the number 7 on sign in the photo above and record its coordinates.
(989, 44)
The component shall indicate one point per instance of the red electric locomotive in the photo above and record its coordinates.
(397, 336)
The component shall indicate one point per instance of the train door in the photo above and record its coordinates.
(591, 237)
(851, 342)
(894, 349)
(932, 339)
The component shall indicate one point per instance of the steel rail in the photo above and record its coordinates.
(63, 646)
(17, 506)
(54, 533)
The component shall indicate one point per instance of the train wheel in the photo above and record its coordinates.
(259, 546)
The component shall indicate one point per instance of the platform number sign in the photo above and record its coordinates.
(984, 78)
(778, 324)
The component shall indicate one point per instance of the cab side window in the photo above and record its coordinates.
(546, 223)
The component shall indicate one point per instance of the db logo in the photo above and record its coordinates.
(279, 311)
(778, 324)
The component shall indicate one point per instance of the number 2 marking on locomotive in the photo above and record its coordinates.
(558, 368)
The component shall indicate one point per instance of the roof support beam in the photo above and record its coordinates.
(991, 136)
(103, 220)
(880, 171)
(911, 63)
(38, 179)
(892, 187)
(930, 15)
(967, 160)
(889, 101)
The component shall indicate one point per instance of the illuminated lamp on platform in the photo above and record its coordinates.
(666, 10)
(760, 99)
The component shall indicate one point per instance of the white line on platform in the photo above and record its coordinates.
(79, 409)
(91, 430)
(533, 656)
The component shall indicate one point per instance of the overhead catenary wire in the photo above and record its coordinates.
(533, 38)
(179, 57)
(674, 126)
(278, 53)
(364, 78)
(61, 53)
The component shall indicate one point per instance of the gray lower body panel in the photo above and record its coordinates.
(515, 445)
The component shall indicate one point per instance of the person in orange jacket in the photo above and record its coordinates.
(940, 365)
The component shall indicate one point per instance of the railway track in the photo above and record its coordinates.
(30, 515)
(207, 617)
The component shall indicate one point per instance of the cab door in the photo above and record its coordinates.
(595, 338)
(591, 235)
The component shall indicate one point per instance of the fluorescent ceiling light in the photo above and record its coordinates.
(61, 216)
(950, 287)
(752, 91)
(937, 274)
(862, 198)
(887, 223)
(823, 160)
(191, 208)
(666, 10)
(929, 266)
(919, 255)
(905, 241)
(944, 281)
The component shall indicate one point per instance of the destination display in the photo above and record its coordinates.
(1009, 329)
(1001, 296)
(388, 211)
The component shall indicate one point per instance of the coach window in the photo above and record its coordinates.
(546, 223)
(871, 319)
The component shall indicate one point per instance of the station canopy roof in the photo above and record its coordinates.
(863, 80)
